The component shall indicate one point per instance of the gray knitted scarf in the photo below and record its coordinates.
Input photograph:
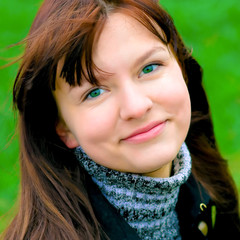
(146, 203)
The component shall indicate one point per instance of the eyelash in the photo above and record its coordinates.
(91, 91)
(152, 64)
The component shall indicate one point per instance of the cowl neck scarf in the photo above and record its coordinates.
(147, 204)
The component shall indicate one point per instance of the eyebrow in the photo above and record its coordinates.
(148, 54)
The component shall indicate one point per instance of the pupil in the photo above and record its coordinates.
(148, 69)
(95, 93)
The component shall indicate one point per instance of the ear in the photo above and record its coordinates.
(66, 135)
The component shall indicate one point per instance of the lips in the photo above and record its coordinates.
(146, 133)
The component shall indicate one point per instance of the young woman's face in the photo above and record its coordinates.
(139, 116)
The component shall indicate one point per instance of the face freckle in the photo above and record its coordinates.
(138, 117)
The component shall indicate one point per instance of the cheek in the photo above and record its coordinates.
(181, 96)
(173, 96)
(179, 100)
(95, 124)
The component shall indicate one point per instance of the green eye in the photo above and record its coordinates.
(95, 93)
(149, 69)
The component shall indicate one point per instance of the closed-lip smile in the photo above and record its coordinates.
(146, 133)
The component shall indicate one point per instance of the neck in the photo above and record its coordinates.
(163, 172)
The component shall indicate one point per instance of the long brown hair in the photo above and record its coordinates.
(54, 203)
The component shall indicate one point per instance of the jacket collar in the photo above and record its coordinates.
(193, 207)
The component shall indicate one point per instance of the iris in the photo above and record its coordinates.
(95, 93)
(149, 68)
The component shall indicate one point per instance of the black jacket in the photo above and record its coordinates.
(198, 217)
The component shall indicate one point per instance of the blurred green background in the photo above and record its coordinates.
(210, 27)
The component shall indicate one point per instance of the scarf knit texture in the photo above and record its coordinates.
(146, 203)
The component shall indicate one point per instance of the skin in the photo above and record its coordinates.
(146, 86)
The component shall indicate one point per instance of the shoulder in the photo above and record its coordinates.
(199, 217)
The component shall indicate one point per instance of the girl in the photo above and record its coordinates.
(115, 130)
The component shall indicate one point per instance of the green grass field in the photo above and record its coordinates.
(209, 27)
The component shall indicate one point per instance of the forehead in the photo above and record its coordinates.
(119, 25)
(122, 34)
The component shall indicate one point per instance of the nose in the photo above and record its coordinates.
(134, 102)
